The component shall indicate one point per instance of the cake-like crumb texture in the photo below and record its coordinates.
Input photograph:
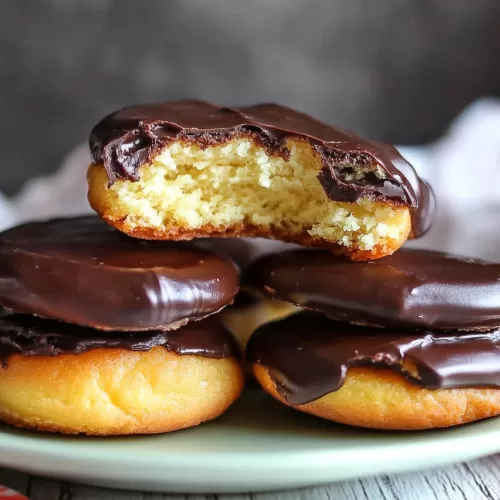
(381, 399)
(237, 189)
(116, 391)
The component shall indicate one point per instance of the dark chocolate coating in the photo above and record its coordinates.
(411, 288)
(128, 138)
(82, 271)
(32, 336)
(308, 356)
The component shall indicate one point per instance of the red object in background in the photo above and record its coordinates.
(8, 494)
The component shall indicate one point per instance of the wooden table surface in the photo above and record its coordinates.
(475, 480)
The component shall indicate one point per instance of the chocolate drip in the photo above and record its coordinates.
(82, 271)
(32, 336)
(130, 137)
(308, 356)
(412, 288)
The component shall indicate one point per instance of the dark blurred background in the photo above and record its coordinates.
(396, 70)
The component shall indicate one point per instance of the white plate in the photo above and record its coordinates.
(258, 445)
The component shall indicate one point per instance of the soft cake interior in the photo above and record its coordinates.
(238, 184)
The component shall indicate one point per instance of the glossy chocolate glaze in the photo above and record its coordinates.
(32, 336)
(411, 288)
(82, 271)
(128, 138)
(308, 355)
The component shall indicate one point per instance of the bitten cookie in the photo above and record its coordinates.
(391, 379)
(64, 378)
(82, 271)
(179, 170)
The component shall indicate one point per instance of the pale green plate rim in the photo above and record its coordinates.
(258, 445)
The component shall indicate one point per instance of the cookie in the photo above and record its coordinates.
(82, 271)
(57, 377)
(180, 170)
(395, 379)
(410, 289)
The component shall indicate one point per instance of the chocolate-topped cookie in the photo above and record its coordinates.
(59, 377)
(385, 379)
(309, 355)
(177, 170)
(82, 271)
(412, 288)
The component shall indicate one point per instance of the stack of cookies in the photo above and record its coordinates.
(113, 325)
(105, 334)
(408, 341)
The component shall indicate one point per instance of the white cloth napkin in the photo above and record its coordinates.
(463, 168)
